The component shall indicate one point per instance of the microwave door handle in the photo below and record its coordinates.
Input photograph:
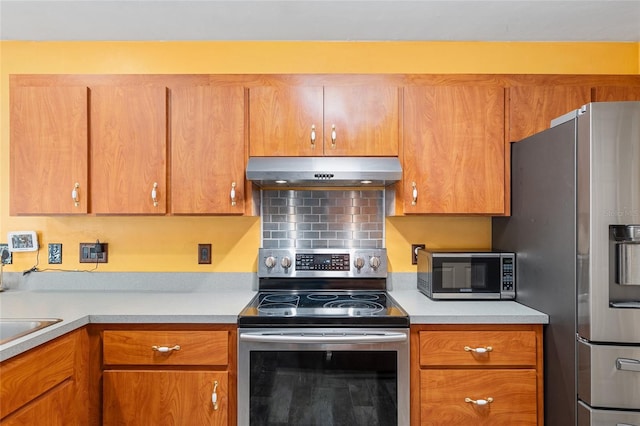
(266, 337)
(628, 364)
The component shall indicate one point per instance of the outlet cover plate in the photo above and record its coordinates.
(88, 253)
(204, 254)
(414, 254)
(55, 253)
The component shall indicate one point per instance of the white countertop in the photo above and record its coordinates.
(423, 310)
(78, 308)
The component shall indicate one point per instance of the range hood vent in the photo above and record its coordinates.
(289, 172)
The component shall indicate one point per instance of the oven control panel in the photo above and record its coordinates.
(339, 263)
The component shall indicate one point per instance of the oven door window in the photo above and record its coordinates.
(323, 388)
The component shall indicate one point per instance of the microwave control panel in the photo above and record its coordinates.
(507, 263)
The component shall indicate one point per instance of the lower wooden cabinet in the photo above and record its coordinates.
(46, 385)
(476, 375)
(168, 375)
(165, 397)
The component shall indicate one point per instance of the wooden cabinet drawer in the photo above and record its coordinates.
(513, 394)
(508, 348)
(123, 347)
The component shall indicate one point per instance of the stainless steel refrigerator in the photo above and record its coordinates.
(575, 226)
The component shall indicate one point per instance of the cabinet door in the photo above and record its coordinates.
(137, 397)
(282, 121)
(617, 93)
(49, 150)
(207, 150)
(454, 149)
(365, 120)
(56, 406)
(128, 150)
(531, 108)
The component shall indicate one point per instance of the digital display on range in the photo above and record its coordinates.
(322, 262)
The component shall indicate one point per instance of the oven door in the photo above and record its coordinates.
(323, 376)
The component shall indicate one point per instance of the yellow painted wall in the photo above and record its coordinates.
(169, 243)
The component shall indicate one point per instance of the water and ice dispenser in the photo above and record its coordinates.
(627, 254)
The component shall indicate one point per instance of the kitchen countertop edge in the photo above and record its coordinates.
(151, 308)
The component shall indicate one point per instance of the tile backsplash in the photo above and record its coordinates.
(323, 218)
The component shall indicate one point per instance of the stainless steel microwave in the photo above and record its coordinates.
(467, 274)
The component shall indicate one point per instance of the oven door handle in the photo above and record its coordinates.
(270, 337)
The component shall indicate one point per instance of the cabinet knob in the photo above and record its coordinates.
(154, 194)
(233, 193)
(414, 194)
(75, 194)
(214, 395)
(313, 136)
(489, 400)
(334, 136)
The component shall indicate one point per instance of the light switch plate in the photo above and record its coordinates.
(55, 253)
(9, 259)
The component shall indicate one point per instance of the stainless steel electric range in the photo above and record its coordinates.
(323, 342)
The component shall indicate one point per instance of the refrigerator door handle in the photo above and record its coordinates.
(628, 364)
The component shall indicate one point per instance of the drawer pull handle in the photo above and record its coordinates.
(214, 395)
(165, 349)
(628, 364)
(478, 350)
(489, 400)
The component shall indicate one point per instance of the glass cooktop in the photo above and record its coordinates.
(311, 308)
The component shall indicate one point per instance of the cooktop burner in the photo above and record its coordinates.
(338, 308)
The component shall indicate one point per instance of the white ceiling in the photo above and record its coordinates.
(357, 20)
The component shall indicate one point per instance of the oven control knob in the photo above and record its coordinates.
(358, 263)
(374, 262)
(285, 262)
(270, 262)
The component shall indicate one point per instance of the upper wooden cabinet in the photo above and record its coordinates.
(531, 108)
(616, 93)
(128, 150)
(48, 150)
(323, 120)
(453, 149)
(207, 150)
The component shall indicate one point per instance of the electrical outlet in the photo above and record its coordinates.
(414, 252)
(94, 252)
(204, 253)
(8, 257)
(55, 253)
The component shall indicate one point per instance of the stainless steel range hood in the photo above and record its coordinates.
(323, 171)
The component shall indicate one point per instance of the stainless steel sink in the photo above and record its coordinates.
(12, 328)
